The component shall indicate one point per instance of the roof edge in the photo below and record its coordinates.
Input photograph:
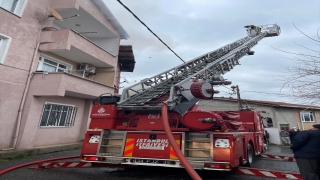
(111, 18)
(269, 103)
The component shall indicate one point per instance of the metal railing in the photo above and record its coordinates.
(80, 73)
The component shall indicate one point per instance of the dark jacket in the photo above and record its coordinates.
(306, 144)
(292, 134)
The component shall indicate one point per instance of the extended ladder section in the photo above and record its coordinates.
(175, 83)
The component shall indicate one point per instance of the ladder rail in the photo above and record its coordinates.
(225, 58)
(215, 67)
(176, 71)
(206, 66)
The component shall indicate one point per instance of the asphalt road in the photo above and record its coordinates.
(137, 173)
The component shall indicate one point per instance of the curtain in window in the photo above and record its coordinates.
(48, 68)
(8, 4)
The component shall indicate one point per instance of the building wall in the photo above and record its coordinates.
(110, 44)
(279, 115)
(40, 136)
(8, 109)
(217, 105)
(14, 70)
(307, 125)
(274, 136)
(105, 76)
(285, 116)
(24, 32)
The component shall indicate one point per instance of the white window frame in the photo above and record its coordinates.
(72, 118)
(20, 6)
(41, 61)
(4, 47)
(309, 113)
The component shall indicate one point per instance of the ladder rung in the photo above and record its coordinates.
(111, 145)
(114, 138)
(198, 149)
(198, 140)
(199, 158)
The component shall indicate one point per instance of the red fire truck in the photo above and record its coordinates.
(157, 119)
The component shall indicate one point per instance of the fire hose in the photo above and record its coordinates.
(34, 162)
(164, 114)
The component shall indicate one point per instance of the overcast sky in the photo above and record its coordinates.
(194, 27)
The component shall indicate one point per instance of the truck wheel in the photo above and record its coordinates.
(250, 155)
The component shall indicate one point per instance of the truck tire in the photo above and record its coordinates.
(250, 155)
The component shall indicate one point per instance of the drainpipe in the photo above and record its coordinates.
(301, 119)
(24, 96)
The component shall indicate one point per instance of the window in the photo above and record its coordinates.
(4, 46)
(9, 5)
(307, 117)
(14, 6)
(58, 115)
(284, 127)
(50, 65)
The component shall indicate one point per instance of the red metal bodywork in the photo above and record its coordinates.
(138, 129)
(142, 140)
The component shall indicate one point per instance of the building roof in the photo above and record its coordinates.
(271, 103)
(111, 18)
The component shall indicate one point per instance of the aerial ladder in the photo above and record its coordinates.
(182, 86)
(135, 129)
(130, 131)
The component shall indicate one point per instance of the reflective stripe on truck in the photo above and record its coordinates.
(172, 153)
(128, 149)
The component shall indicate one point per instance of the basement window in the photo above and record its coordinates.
(58, 115)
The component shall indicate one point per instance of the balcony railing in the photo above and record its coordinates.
(81, 73)
(67, 84)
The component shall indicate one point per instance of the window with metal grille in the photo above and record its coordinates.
(58, 115)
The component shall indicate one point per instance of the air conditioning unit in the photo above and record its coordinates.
(87, 68)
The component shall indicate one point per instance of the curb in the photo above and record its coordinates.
(9, 154)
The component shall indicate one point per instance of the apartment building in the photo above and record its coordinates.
(55, 57)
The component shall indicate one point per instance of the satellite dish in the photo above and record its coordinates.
(55, 14)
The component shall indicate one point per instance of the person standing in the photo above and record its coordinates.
(306, 149)
(266, 137)
(285, 137)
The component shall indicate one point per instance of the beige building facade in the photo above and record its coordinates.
(282, 115)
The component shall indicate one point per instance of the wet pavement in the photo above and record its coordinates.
(138, 173)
